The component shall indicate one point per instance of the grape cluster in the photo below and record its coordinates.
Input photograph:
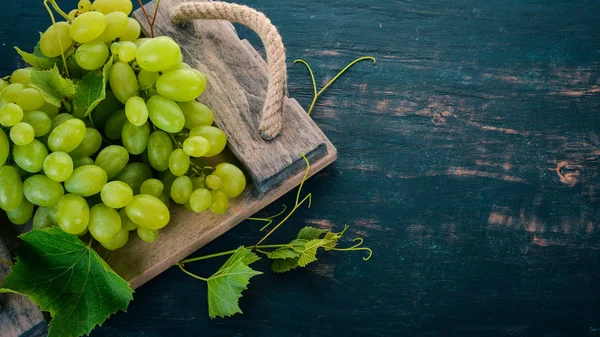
(117, 169)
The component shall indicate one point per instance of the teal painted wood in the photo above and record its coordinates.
(469, 162)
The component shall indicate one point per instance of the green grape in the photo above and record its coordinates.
(91, 55)
(134, 174)
(73, 14)
(116, 194)
(114, 48)
(135, 138)
(179, 162)
(117, 241)
(50, 110)
(58, 166)
(84, 6)
(167, 179)
(196, 114)
(105, 222)
(126, 223)
(9, 94)
(87, 27)
(181, 190)
(181, 85)
(147, 235)
(109, 105)
(30, 157)
(200, 200)
(215, 136)
(159, 54)
(116, 24)
(165, 114)
(59, 120)
(123, 81)
(30, 99)
(127, 51)
(160, 148)
(11, 114)
(164, 198)
(56, 39)
(113, 160)
(141, 41)
(213, 182)
(4, 148)
(179, 66)
(132, 32)
(73, 214)
(22, 76)
(196, 146)
(147, 78)
(219, 202)
(114, 125)
(153, 187)
(148, 212)
(11, 188)
(52, 210)
(22, 214)
(41, 218)
(39, 120)
(86, 180)
(233, 180)
(109, 6)
(199, 182)
(136, 110)
(3, 84)
(91, 144)
(67, 136)
(82, 161)
(42, 191)
(22, 133)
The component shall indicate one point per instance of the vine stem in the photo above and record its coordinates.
(9, 264)
(312, 77)
(229, 252)
(59, 10)
(62, 54)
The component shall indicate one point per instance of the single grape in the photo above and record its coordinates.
(56, 39)
(22, 133)
(52, 210)
(30, 99)
(113, 160)
(181, 85)
(105, 222)
(123, 81)
(59, 120)
(87, 27)
(73, 214)
(105, 108)
(73, 14)
(233, 180)
(167, 179)
(199, 182)
(134, 174)
(160, 148)
(181, 190)
(41, 218)
(132, 32)
(91, 55)
(22, 214)
(116, 194)
(109, 6)
(67, 136)
(147, 78)
(39, 120)
(58, 166)
(10, 114)
(220, 202)
(3, 84)
(200, 200)
(42, 191)
(127, 51)
(196, 146)
(196, 114)
(164, 198)
(126, 223)
(213, 182)
(147, 235)
(91, 144)
(50, 110)
(165, 114)
(84, 6)
(148, 212)
(116, 24)
(153, 187)
(30, 157)
(215, 136)
(114, 125)
(22, 76)
(9, 94)
(179, 66)
(117, 241)
(11, 188)
(82, 161)
(158, 54)
(136, 110)
(135, 138)
(179, 162)
(114, 48)
(4, 147)
(86, 180)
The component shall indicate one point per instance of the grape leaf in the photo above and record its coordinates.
(309, 252)
(311, 233)
(67, 278)
(226, 285)
(91, 90)
(53, 87)
(300, 254)
(331, 239)
(284, 265)
(283, 253)
(37, 59)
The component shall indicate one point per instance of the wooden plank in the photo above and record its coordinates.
(236, 92)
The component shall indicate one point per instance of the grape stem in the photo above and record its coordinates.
(9, 264)
(153, 20)
(269, 220)
(59, 10)
(314, 83)
(62, 54)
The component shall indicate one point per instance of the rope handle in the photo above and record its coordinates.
(271, 118)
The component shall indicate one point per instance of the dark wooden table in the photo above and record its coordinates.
(469, 162)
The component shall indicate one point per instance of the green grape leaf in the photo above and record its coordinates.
(309, 252)
(301, 253)
(284, 265)
(37, 59)
(53, 87)
(68, 279)
(310, 233)
(331, 240)
(283, 253)
(226, 285)
(91, 90)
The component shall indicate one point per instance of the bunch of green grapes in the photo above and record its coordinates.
(118, 169)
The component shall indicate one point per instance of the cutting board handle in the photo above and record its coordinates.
(271, 119)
